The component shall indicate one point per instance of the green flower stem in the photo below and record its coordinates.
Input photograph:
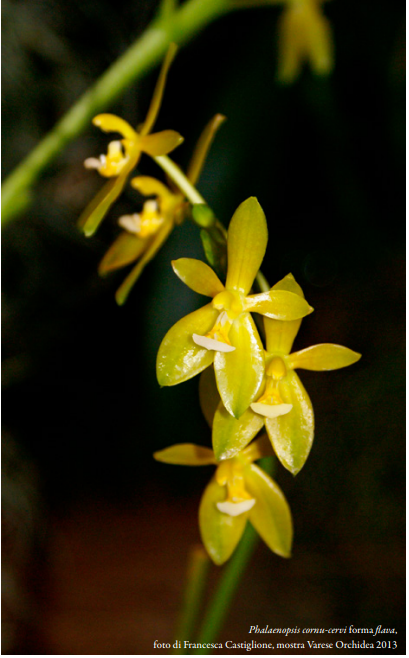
(262, 282)
(179, 25)
(197, 570)
(192, 195)
(179, 178)
(219, 605)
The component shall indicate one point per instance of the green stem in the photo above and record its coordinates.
(230, 579)
(179, 178)
(147, 51)
(197, 571)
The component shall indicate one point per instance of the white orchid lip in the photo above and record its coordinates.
(212, 344)
(271, 410)
(131, 223)
(234, 509)
(95, 163)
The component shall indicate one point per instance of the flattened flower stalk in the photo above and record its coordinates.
(239, 491)
(282, 404)
(223, 332)
(145, 232)
(123, 155)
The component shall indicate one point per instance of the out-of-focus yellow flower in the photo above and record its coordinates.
(304, 36)
(145, 232)
(282, 404)
(123, 155)
(239, 492)
(224, 331)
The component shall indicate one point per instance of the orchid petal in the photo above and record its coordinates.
(292, 434)
(259, 448)
(125, 250)
(209, 397)
(198, 276)
(279, 305)
(179, 358)
(154, 245)
(325, 356)
(149, 186)
(291, 44)
(319, 41)
(240, 373)
(271, 515)
(160, 143)
(159, 89)
(110, 123)
(230, 435)
(280, 335)
(246, 245)
(220, 532)
(202, 147)
(185, 454)
(96, 210)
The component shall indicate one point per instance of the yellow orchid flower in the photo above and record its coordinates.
(223, 331)
(304, 35)
(145, 232)
(282, 404)
(239, 492)
(123, 155)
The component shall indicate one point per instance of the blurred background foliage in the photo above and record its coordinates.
(82, 409)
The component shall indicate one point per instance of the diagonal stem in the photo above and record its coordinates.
(197, 571)
(179, 25)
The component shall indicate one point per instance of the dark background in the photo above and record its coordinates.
(97, 533)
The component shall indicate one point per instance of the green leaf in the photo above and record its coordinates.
(240, 373)
(292, 434)
(246, 245)
(271, 515)
(179, 358)
(198, 276)
(230, 435)
(325, 356)
(220, 532)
